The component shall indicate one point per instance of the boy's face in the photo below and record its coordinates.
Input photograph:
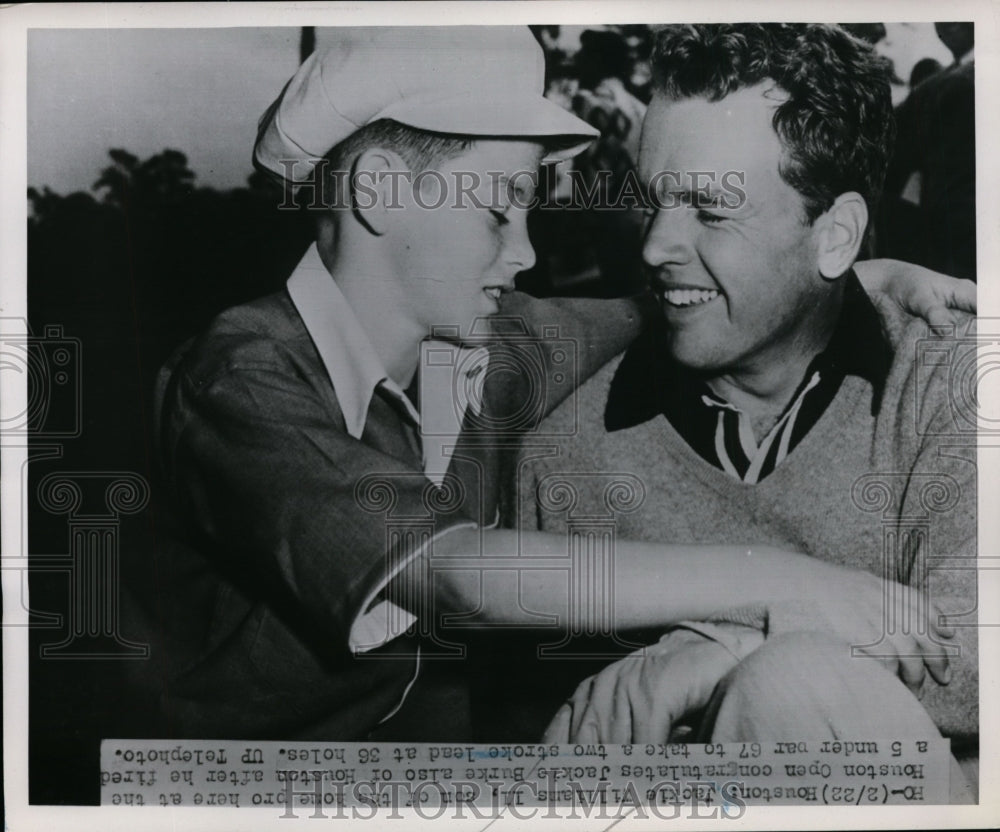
(462, 235)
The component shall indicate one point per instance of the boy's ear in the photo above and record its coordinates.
(373, 187)
(841, 230)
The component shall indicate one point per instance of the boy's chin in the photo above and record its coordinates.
(470, 333)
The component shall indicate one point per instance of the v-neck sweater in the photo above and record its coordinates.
(866, 480)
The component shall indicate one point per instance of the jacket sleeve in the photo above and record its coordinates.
(546, 348)
(273, 486)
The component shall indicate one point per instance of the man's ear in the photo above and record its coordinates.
(841, 230)
(374, 187)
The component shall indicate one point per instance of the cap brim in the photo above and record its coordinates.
(504, 115)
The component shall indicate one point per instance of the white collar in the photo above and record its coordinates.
(348, 354)
(355, 368)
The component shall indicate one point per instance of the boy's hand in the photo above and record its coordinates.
(641, 697)
(919, 291)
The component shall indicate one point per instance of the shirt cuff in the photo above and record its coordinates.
(382, 621)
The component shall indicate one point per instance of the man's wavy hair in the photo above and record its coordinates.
(837, 125)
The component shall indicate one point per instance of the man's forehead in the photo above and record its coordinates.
(699, 133)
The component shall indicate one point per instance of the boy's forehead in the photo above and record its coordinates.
(506, 155)
(508, 165)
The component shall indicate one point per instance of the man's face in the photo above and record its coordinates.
(737, 283)
(463, 233)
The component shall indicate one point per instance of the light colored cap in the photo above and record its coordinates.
(465, 80)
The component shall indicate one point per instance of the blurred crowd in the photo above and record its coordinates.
(928, 210)
(927, 213)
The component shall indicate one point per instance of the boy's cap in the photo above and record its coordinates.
(465, 80)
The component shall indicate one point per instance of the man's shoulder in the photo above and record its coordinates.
(903, 329)
(928, 366)
(907, 333)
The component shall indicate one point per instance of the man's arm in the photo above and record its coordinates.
(276, 487)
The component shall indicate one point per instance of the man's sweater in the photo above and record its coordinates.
(886, 486)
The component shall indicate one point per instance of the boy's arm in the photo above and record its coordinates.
(935, 297)
(655, 585)
(559, 343)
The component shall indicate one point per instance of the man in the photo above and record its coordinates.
(773, 402)
(332, 450)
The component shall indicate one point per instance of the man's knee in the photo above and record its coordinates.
(790, 664)
(809, 686)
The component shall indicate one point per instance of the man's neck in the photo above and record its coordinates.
(763, 397)
(765, 387)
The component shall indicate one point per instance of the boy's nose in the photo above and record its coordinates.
(520, 252)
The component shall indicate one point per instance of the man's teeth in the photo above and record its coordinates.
(689, 297)
(494, 292)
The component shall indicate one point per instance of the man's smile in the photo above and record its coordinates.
(681, 297)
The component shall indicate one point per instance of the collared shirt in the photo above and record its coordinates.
(291, 524)
(357, 374)
(648, 385)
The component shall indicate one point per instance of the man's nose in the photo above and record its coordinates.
(669, 238)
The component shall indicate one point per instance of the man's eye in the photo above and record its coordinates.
(648, 218)
(708, 217)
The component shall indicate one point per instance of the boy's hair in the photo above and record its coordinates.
(418, 148)
(837, 125)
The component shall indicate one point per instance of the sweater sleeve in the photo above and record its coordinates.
(938, 518)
